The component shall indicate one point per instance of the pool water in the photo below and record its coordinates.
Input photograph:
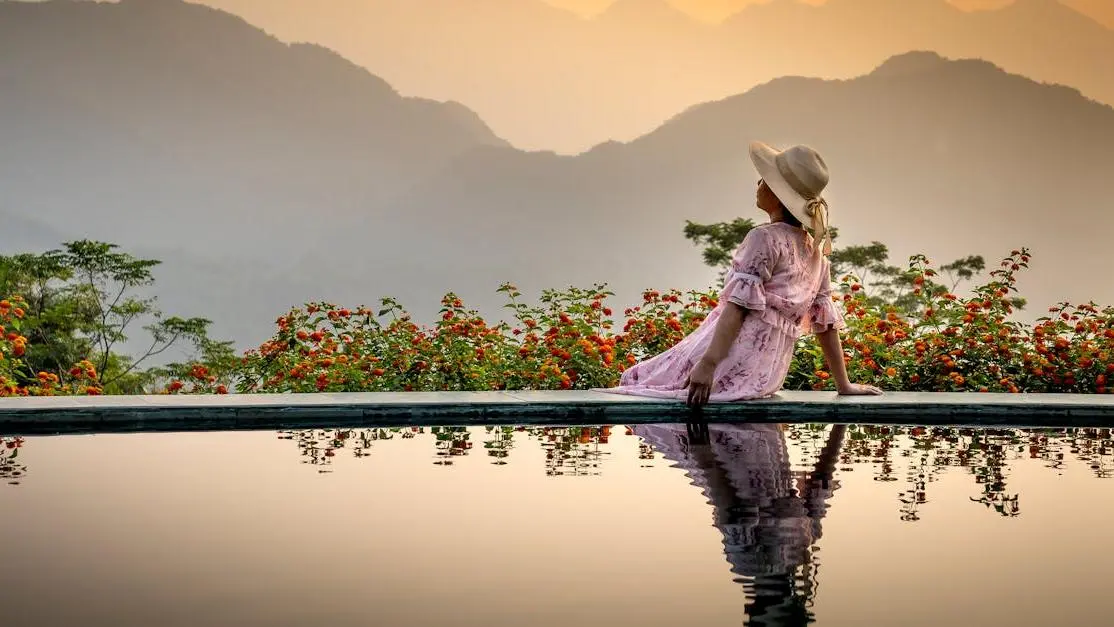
(647, 525)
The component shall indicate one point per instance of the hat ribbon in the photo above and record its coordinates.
(817, 209)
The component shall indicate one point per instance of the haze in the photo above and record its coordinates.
(266, 174)
(545, 78)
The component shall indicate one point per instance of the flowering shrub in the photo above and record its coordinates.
(563, 344)
(197, 379)
(568, 341)
(17, 380)
(967, 344)
(949, 343)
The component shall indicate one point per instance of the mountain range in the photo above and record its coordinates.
(547, 79)
(268, 174)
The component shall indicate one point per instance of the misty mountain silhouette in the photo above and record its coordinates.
(266, 175)
(1099, 10)
(545, 79)
(177, 129)
(928, 155)
(152, 109)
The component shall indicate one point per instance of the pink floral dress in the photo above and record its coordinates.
(785, 288)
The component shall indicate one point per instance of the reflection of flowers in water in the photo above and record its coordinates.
(573, 451)
(320, 446)
(499, 443)
(11, 470)
(985, 453)
(451, 442)
(913, 457)
(645, 450)
(569, 451)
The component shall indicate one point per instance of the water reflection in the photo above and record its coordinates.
(569, 451)
(913, 504)
(769, 514)
(11, 469)
(985, 454)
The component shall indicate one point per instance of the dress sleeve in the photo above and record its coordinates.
(750, 269)
(825, 314)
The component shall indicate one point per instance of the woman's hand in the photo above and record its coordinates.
(699, 383)
(858, 389)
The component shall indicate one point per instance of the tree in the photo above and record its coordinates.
(83, 305)
(883, 283)
(719, 240)
(60, 315)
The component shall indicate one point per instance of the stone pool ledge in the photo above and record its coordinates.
(107, 414)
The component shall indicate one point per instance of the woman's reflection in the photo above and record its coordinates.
(768, 513)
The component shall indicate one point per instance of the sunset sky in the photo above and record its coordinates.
(715, 10)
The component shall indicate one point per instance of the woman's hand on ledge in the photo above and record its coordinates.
(858, 389)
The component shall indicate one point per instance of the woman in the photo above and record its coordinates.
(778, 287)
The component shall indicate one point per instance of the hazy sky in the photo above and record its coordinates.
(715, 10)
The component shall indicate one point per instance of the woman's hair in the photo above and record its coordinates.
(789, 218)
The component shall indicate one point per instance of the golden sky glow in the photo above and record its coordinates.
(716, 10)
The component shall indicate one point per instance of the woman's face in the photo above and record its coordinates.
(766, 199)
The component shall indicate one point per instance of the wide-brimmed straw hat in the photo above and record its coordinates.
(797, 176)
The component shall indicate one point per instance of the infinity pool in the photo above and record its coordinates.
(652, 525)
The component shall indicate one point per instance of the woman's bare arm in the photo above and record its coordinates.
(833, 354)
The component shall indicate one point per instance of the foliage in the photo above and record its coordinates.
(952, 344)
(881, 283)
(322, 347)
(966, 344)
(77, 306)
(17, 378)
(719, 240)
(937, 342)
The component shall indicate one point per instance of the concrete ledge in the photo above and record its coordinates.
(108, 414)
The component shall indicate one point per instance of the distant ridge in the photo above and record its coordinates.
(545, 79)
(272, 174)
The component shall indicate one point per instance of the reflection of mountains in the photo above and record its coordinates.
(769, 514)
